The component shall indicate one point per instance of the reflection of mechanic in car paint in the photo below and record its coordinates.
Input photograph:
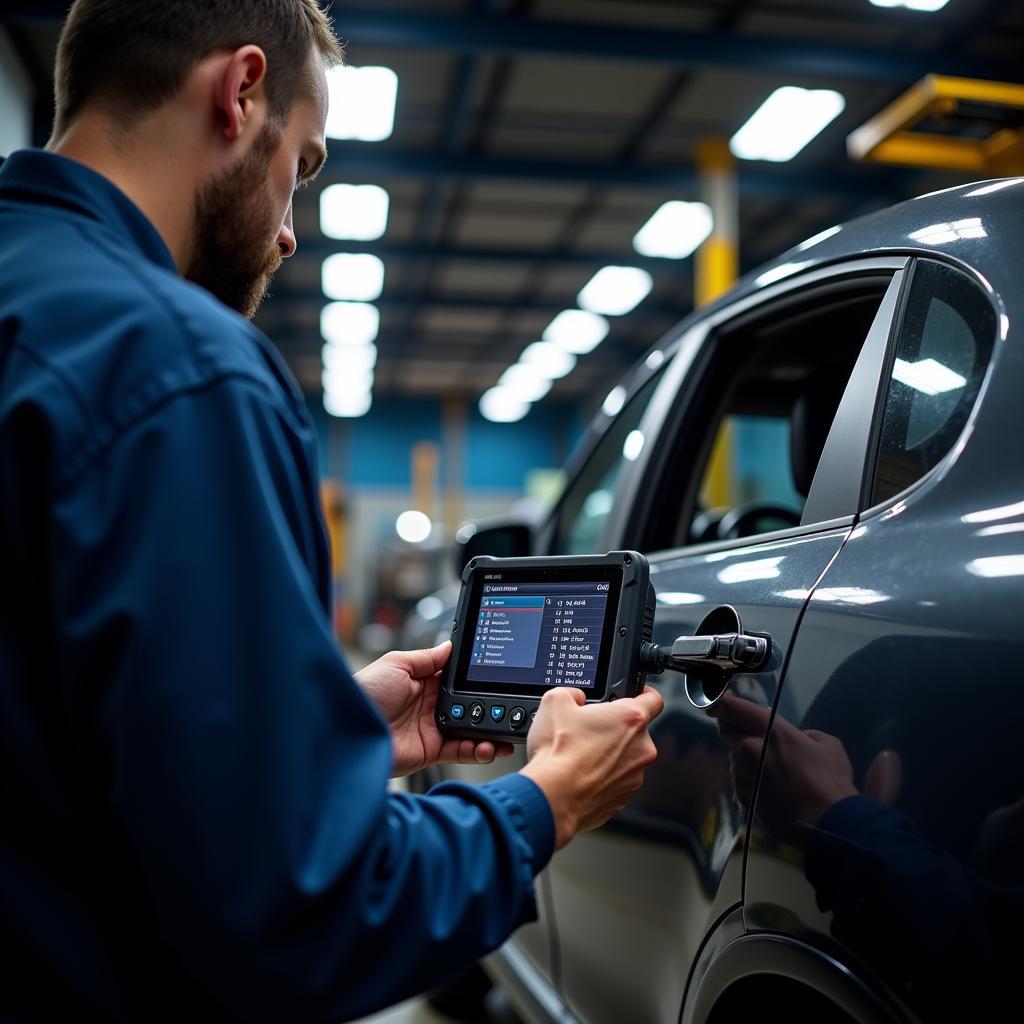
(944, 933)
(687, 797)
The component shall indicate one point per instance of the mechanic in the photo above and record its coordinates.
(197, 823)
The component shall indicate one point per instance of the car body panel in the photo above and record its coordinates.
(909, 656)
(669, 864)
(912, 645)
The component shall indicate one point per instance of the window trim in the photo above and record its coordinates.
(836, 491)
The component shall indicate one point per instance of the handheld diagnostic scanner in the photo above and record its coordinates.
(527, 625)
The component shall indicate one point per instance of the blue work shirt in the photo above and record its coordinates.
(196, 823)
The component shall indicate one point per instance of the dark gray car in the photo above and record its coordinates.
(867, 391)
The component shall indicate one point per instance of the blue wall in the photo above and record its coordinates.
(374, 450)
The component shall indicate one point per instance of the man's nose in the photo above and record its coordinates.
(286, 243)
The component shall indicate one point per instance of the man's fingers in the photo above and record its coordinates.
(426, 662)
(566, 693)
(651, 701)
(480, 753)
(473, 752)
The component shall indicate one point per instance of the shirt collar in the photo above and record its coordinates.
(59, 181)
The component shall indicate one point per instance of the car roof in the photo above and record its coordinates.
(977, 226)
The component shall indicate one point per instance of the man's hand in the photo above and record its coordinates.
(404, 685)
(588, 759)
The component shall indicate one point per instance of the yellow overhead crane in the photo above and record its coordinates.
(943, 123)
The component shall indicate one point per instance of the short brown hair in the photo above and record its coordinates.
(134, 55)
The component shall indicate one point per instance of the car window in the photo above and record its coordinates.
(747, 447)
(589, 498)
(750, 468)
(942, 351)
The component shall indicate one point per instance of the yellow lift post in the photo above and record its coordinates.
(943, 123)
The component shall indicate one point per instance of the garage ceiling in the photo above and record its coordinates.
(533, 138)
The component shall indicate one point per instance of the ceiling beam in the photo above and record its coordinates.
(518, 36)
(283, 303)
(321, 248)
(510, 36)
(351, 161)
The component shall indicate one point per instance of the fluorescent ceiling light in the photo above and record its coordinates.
(675, 230)
(577, 331)
(349, 358)
(357, 212)
(746, 572)
(633, 445)
(819, 237)
(430, 607)
(913, 5)
(358, 277)
(614, 291)
(548, 360)
(347, 381)
(598, 503)
(525, 383)
(786, 122)
(677, 597)
(413, 527)
(500, 406)
(781, 272)
(615, 401)
(350, 323)
(991, 515)
(348, 405)
(362, 103)
(996, 186)
(927, 376)
(939, 234)
(997, 565)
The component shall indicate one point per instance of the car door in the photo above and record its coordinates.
(632, 901)
(906, 673)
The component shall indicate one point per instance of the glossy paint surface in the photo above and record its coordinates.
(909, 657)
(669, 864)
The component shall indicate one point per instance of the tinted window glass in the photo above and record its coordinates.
(765, 403)
(942, 351)
(749, 471)
(589, 498)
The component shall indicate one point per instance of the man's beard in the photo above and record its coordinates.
(234, 255)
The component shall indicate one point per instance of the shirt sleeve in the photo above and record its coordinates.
(243, 764)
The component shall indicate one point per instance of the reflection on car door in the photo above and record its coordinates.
(908, 656)
(633, 900)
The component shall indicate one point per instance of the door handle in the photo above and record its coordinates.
(711, 657)
(725, 652)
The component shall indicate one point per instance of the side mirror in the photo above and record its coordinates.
(501, 539)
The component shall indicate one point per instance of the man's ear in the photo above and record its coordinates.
(241, 85)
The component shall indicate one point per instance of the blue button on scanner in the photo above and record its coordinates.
(458, 711)
(497, 712)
